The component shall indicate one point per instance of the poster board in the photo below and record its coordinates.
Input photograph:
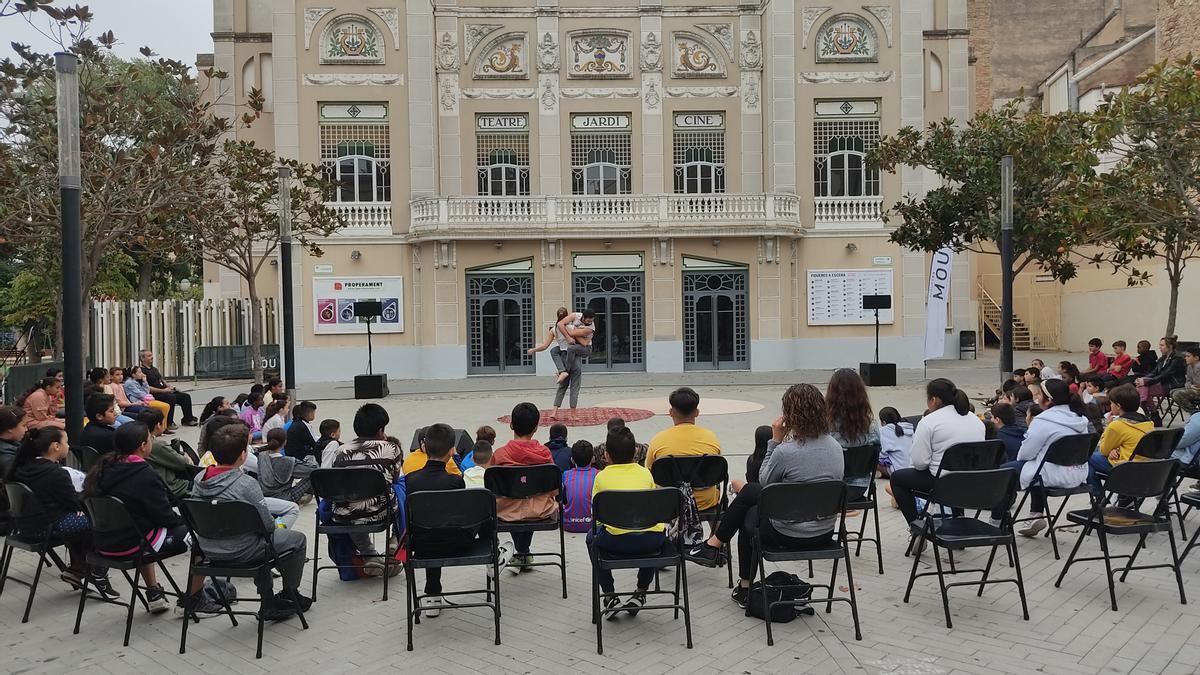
(835, 296)
(334, 298)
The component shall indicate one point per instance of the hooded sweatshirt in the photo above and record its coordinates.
(524, 452)
(225, 484)
(1012, 435)
(52, 486)
(1123, 434)
(560, 450)
(1052, 424)
(134, 482)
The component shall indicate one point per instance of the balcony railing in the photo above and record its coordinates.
(848, 210)
(434, 214)
(364, 218)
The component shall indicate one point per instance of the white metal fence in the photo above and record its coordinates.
(173, 329)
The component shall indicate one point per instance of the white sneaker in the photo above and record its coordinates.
(432, 607)
(505, 555)
(1033, 528)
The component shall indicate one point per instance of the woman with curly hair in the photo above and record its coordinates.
(800, 451)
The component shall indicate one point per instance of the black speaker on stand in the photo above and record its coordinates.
(371, 385)
(877, 374)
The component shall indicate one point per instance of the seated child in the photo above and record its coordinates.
(302, 435)
(329, 442)
(1004, 418)
(438, 447)
(1125, 429)
(372, 448)
(623, 474)
(483, 457)
(224, 482)
(173, 467)
(559, 449)
(483, 433)
(577, 488)
(895, 442)
(282, 476)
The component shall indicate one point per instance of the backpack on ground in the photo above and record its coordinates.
(781, 586)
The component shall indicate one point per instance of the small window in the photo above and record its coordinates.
(600, 163)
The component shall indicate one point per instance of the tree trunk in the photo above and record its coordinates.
(255, 330)
(145, 279)
(1175, 277)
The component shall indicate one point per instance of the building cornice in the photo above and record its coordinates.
(231, 36)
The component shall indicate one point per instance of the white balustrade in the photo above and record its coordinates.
(846, 210)
(370, 217)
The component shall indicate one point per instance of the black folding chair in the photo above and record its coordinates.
(439, 512)
(699, 472)
(639, 510)
(32, 532)
(352, 484)
(862, 461)
(1192, 499)
(1189, 471)
(962, 490)
(111, 520)
(215, 521)
(1135, 481)
(181, 446)
(86, 456)
(523, 482)
(1071, 450)
(804, 503)
(914, 420)
(970, 456)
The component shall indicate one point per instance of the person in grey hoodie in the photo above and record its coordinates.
(226, 482)
(800, 451)
(1063, 416)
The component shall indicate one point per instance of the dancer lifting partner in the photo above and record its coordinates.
(572, 339)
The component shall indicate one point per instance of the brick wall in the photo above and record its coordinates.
(979, 20)
(1178, 28)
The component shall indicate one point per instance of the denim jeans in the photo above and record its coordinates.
(1098, 463)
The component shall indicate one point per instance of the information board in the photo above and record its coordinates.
(835, 296)
(334, 298)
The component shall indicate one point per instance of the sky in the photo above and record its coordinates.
(176, 29)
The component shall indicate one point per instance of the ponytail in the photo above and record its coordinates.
(891, 416)
(36, 443)
(126, 440)
(40, 384)
(276, 439)
(962, 404)
(948, 394)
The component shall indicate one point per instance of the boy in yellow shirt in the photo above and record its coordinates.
(685, 439)
(623, 474)
(1126, 428)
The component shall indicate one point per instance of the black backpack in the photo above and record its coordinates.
(784, 586)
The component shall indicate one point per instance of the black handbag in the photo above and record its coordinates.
(781, 586)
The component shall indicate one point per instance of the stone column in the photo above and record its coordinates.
(912, 180)
(781, 116)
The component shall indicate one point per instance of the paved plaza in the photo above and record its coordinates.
(1071, 629)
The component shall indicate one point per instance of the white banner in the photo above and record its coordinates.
(935, 307)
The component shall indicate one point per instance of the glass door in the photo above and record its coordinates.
(500, 323)
(714, 321)
(617, 301)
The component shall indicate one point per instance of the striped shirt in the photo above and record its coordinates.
(577, 499)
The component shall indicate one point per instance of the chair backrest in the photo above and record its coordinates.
(110, 516)
(222, 520)
(861, 461)
(183, 447)
(1158, 443)
(87, 456)
(1071, 450)
(802, 502)
(349, 484)
(986, 489)
(701, 471)
(913, 420)
(973, 456)
(521, 482)
(637, 509)
(25, 509)
(450, 509)
(1142, 479)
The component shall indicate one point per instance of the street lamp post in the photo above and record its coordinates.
(1006, 265)
(288, 353)
(70, 184)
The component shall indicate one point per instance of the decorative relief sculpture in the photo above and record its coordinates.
(313, 16)
(547, 58)
(752, 56)
(651, 53)
(475, 32)
(447, 53)
(811, 14)
(503, 58)
(884, 14)
(351, 38)
(722, 31)
(694, 58)
(847, 37)
(599, 54)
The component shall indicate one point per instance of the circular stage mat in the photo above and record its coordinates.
(708, 406)
(589, 417)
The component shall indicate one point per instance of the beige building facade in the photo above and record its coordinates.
(691, 171)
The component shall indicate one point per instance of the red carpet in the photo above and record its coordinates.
(589, 417)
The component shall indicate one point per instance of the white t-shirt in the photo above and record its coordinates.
(939, 430)
(575, 323)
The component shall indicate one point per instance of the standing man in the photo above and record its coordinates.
(165, 392)
(577, 330)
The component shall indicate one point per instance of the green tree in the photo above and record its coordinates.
(963, 212)
(1147, 205)
(241, 231)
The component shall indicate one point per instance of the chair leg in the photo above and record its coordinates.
(862, 530)
(832, 585)
(171, 580)
(387, 563)
(687, 608)
(675, 595)
(133, 595)
(37, 575)
(1020, 580)
(258, 653)
(598, 618)
(729, 563)
(937, 559)
(762, 573)
(5, 556)
(912, 577)
(1071, 557)
(1186, 549)
(225, 601)
(316, 558)
(82, 600)
(562, 554)
(496, 607)
(410, 588)
(853, 598)
(1133, 556)
(1108, 574)
(810, 570)
(987, 569)
(1175, 566)
(878, 536)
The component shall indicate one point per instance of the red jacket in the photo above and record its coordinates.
(1120, 365)
(519, 452)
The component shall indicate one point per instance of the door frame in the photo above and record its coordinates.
(637, 312)
(475, 303)
(689, 298)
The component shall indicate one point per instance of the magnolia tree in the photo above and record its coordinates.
(963, 212)
(1147, 206)
(241, 231)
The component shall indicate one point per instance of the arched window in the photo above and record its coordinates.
(700, 169)
(504, 174)
(935, 72)
(840, 158)
(601, 163)
(358, 162)
(601, 174)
